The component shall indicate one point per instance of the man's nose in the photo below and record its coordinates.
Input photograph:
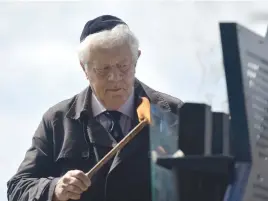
(115, 74)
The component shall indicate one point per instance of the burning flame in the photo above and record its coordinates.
(144, 110)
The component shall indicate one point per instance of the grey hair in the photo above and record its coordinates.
(120, 34)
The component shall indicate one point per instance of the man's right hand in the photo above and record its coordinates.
(71, 186)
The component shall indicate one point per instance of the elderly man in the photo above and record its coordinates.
(76, 133)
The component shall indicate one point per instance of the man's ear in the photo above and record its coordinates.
(84, 69)
(139, 54)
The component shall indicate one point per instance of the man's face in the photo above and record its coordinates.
(111, 74)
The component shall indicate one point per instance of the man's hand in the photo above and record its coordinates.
(71, 186)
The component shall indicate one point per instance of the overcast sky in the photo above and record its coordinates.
(180, 47)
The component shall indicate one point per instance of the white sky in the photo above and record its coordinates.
(180, 46)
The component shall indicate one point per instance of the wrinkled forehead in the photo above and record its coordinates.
(111, 55)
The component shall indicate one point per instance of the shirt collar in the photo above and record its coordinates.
(126, 109)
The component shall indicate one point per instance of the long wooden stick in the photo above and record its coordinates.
(118, 147)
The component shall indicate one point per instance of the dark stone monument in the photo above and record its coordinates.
(207, 171)
(245, 56)
(221, 134)
(196, 176)
(195, 129)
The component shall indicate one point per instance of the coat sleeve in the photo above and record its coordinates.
(34, 179)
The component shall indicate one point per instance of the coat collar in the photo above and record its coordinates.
(81, 106)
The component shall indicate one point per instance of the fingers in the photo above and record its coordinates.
(73, 196)
(81, 176)
(74, 189)
(71, 186)
(72, 181)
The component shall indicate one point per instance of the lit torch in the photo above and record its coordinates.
(143, 112)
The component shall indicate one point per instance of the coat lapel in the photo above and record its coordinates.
(81, 110)
(141, 141)
(99, 138)
(133, 145)
(102, 143)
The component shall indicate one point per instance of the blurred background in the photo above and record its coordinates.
(179, 40)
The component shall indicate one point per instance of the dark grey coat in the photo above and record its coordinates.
(69, 138)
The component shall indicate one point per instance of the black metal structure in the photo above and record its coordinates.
(226, 156)
(221, 134)
(195, 129)
(245, 56)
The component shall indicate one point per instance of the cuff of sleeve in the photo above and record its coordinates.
(52, 188)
